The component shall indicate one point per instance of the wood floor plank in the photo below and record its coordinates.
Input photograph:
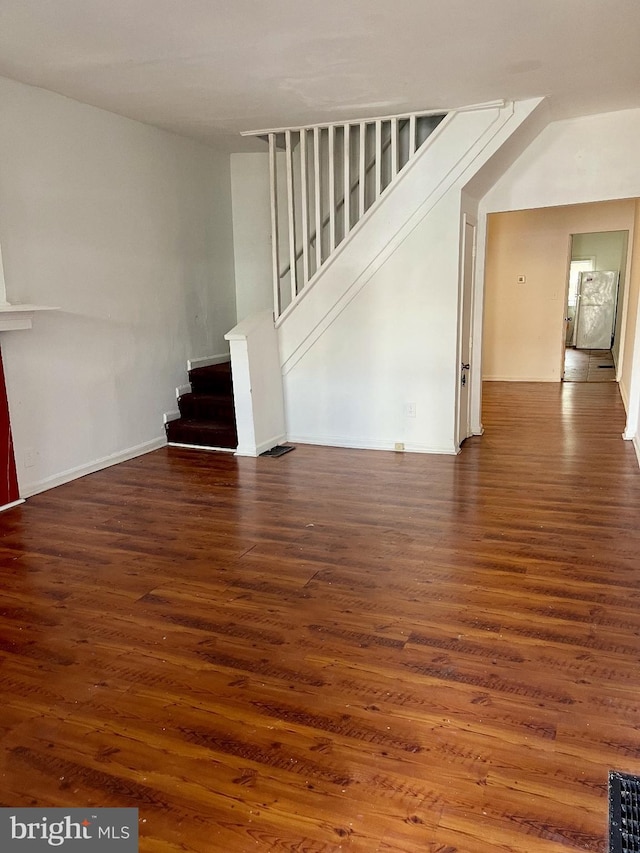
(336, 650)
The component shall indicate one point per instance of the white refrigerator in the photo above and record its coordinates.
(596, 309)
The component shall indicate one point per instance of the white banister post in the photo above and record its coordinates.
(362, 170)
(346, 208)
(412, 135)
(257, 384)
(291, 212)
(305, 207)
(318, 197)
(378, 166)
(394, 147)
(273, 187)
(332, 187)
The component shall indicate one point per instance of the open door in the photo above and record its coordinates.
(464, 341)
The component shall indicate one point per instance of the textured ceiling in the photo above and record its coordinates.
(212, 68)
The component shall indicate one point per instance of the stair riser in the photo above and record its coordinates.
(215, 379)
(212, 386)
(181, 433)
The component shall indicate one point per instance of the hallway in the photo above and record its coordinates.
(338, 649)
(588, 365)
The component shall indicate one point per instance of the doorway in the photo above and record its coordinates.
(593, 310)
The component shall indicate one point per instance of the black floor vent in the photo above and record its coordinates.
(624, 813)
(278, 450)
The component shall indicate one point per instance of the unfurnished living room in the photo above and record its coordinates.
(311, 541)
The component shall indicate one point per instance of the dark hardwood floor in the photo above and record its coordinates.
(337, 650)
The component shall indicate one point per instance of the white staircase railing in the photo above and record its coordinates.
(323, 180)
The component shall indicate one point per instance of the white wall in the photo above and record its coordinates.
(630, 379)
(393, 344)
(128, 230)
(251, 200)
(608, 248)
(593, 158)
(251, 233)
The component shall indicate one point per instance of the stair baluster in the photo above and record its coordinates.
(332, 174)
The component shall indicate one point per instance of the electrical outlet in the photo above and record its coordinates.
(30, 456)
(399, 445)
(410, 410)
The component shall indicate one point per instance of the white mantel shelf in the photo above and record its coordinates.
(13, 317)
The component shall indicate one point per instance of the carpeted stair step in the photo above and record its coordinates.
(208, 407)
(214, 379)
(207, 416)
(201, 433)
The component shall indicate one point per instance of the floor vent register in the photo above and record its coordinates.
(624, 813)
(278, 450)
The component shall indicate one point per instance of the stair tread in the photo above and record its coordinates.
(207, 396)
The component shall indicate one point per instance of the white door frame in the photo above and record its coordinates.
(466, 298)
(632, 405)
(477, 322)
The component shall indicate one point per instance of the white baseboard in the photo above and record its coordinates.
(367, 444)
(11, 505)
(182, 389)
(624, 395)
(170, 416)
(518, 379)
(634, 438)
(255, 450)
(200, 447)
(207, 361)
(91, 467)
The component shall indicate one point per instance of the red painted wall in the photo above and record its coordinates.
(9, 481)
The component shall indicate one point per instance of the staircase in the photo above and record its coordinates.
(373, 298)
(324, 179)
(207, 417)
